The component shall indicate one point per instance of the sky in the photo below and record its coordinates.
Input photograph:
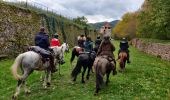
(93, 10)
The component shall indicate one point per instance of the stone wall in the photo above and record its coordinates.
(157, 49)
(17, 28)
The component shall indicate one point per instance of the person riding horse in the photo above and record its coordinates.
(97, 43)
(88, 45)
(106, 49)
(42, 41)
(81, 40)
(55, 41)
(124, 47)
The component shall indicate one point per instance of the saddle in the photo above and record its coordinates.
(45, 54)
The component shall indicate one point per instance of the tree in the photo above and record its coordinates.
(126, 27)
(154, 19)
(81, 20)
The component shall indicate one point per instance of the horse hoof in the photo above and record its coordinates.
(14, 97)
(95, 94)
(48, 84)
(74, 80)
(115, 72)
(27, 93)
(83, 82)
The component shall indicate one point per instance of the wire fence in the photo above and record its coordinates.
(29, 4)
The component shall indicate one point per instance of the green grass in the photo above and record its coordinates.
(146, 78)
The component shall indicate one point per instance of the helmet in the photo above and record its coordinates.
(55, 35)
(98, 37)
(42, 29)
(82, 35)
(124, 39)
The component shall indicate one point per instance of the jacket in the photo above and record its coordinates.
(124, 45)
(55, 42)
(42, 40)
(106, 49)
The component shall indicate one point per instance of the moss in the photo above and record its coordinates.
(20, 26)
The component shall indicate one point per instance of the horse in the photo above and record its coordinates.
(102, 66)
(122, 60)
(30, 61)
(86, 60)
(65, 48)
(75, 52)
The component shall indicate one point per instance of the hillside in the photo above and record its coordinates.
(100, 24)
(19, 24)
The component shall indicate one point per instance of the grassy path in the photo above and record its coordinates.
(146, 78)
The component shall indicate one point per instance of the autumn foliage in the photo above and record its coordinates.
(151, 21)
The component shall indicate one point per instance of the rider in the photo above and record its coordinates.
(55, 41)
(124, 47)
(107, 48)
(88, 45)
(42, 40)
(97, 43)
(81, 40)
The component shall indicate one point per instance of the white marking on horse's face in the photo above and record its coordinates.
(66, 47)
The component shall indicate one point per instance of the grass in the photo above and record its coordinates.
(146, 78)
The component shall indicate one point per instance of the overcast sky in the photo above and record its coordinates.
(93, 10)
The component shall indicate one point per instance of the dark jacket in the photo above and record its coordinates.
(88, 46)
(97, 42)
(124, 45)
(106, 48)
(42, 40)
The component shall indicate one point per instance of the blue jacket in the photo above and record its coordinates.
(88, 46)
(42, 40)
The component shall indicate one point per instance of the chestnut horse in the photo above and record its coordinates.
(122, 60)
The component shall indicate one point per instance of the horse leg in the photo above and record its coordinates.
(84, 70)
(97, 84)
(88, 73)
(45, 80)
(27, 91)
(74, 79)
(20, 82)
(107, 77)
(49, 77)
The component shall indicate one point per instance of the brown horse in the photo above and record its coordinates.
(75, 52)
(102, 66)
(122, 60)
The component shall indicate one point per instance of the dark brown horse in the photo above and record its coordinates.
(102, 66)
(122, 60)
(75, 52)
(84, 60)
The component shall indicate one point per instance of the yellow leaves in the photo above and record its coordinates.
(127, 26)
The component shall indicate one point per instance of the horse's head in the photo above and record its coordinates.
(65, 47)
(59, 54)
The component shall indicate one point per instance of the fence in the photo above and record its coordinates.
(36, 6)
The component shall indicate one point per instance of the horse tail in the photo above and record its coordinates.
(15, 65)
(123, 57)
(77, 69)
(99, 78)
(73, 55)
